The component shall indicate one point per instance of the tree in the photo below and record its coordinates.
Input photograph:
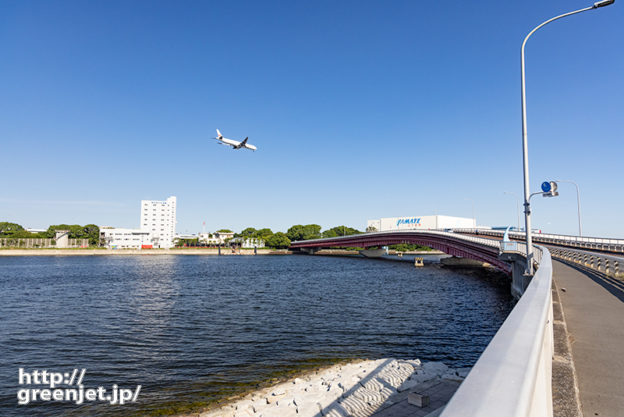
(224, 231)
(187, 242)
(92, 232)
(7, 228)
(371, 229)
(76, 231)
(340, 231)
(300, 232)
(264, 234)
(248, 232)
(278, 240)
(405, 247)
(16, 231)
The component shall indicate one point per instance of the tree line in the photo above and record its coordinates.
(76, 231)
(277, 240)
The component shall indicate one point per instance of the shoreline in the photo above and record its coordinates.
(361, 387)
(184, 251)
(142, 252)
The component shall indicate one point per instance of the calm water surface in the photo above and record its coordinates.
(192, 329)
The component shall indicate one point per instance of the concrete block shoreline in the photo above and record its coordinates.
(360, 389)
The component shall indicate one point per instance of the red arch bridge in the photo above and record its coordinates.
(477, 248)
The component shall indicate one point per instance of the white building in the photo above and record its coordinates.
(118, 238)
(420, 223)
(216, 238)
(159, 219)
(248, 242)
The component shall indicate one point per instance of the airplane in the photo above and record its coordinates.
(234, 143)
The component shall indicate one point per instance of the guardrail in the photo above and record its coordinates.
(513, 375)
(474, 239)
(594, 243)
(520, 248)
(512, 378)
(609, 265)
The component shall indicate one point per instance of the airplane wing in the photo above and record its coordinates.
(242, 144)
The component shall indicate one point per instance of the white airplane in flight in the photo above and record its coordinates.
(234, 143)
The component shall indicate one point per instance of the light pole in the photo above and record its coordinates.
(578, 203)
(517, 206)
(473, 209)
(525, 149)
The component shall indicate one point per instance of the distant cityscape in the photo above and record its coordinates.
(157, 230)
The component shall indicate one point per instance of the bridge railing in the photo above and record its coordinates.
(520, 248)
(594, 243)
(609, 265)
(480, 240)
(513, 375)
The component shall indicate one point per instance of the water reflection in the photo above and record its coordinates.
(193, 329)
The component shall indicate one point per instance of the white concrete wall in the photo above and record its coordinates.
(253, 243)
(449, 222)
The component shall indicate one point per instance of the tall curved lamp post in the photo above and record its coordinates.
(578, 203)
(515, 196)
(525, 149)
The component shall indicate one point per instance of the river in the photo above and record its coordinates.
(194, 329)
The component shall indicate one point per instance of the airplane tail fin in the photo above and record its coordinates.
(219, 135)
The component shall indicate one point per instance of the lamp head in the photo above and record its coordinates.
(603, 3)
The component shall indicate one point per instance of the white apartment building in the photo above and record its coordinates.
(118, 238)
(159, 219)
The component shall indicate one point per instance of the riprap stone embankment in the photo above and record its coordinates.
(358, 389)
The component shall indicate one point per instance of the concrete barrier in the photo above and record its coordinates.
(513, 375)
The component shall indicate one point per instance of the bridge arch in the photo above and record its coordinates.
(479, 249)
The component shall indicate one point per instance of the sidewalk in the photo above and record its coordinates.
(593, 305)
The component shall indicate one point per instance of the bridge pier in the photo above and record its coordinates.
(374, 253)
(309, 251)
(519, 281)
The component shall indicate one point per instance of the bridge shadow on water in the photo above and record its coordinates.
(613, 285)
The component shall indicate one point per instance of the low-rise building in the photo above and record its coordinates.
(420, 223)
(119, 238)
(248, 243)
(216, 238)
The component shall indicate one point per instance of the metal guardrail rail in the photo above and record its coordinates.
(480, 240)
(520, 248)
(609, 265)
(593, 243)
(512, 378)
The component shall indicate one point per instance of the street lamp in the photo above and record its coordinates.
(525, 148)
(517, 206)
(578, 203)
(473, 207)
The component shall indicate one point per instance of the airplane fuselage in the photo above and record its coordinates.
(234, 143)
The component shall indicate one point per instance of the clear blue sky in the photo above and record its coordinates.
(359, 109)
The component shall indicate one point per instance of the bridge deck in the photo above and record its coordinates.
(593, 305)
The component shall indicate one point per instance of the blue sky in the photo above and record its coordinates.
(359, 109)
